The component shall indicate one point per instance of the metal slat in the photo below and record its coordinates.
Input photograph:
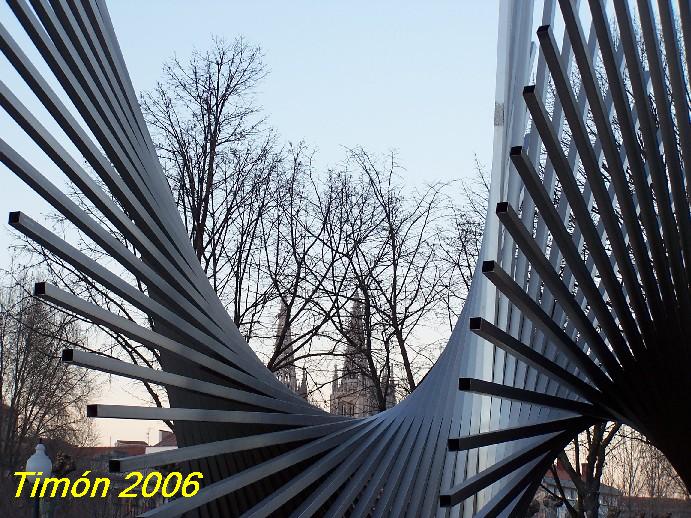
(212, 416)
(517, 432)
(595, 245)
(505, 341)
(551, 279)
(487, 388)
(631, 150)
(152, 339)
(128, 370)
(501, 469)
(210, 449)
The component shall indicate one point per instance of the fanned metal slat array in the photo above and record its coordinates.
(579, 314)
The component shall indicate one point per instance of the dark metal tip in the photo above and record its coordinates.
(453, 445)
(530, 89)
(502, 207)
(445, 500)
(91, 410)
(516, 150)
(464, 383)
(488, 266)
(543, 29)
(114, 465)
(475, 323)
(14, 217)
(67, 355)
(39, 289)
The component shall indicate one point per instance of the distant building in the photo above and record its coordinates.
(287, 374)
(646, 507)
(352, 390)
(123, 444)
(98, 457)
(166, 441)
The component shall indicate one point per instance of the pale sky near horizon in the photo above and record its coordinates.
(404, 76)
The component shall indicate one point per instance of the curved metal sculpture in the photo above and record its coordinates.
(589, 320)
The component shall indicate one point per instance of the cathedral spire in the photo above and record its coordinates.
(353, 392)
(302, 390)
(355, 362)
(286, 374)
(334, 381)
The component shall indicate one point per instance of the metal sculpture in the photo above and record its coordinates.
(589, 320)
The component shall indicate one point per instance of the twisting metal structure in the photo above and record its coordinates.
(580, 312)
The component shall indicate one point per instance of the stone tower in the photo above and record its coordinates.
(353, 391)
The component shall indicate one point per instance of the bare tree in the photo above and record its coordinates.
(394, 267)
(461, 239)
(355, 328)
(254, 213)
(585, 462)
(637, 468)
(299, 260)
(221, 162)
(41, 396)
(270, 231)
(402, 262)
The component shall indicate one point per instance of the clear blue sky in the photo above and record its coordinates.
(418, 79)
(413, 77)
(385, 75)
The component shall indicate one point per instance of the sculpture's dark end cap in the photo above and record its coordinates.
(475, 323)
(14, 217)
(502, 207)
(114, 465)
(454, 445)
(67, 355)
(488, 266)
(516, 151)
(445, 500)
(464, 383)
(542, 29)
(39, 289)
(529, 90)
(91, 410)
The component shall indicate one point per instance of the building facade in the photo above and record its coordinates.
(352, 390)
(287, 374)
